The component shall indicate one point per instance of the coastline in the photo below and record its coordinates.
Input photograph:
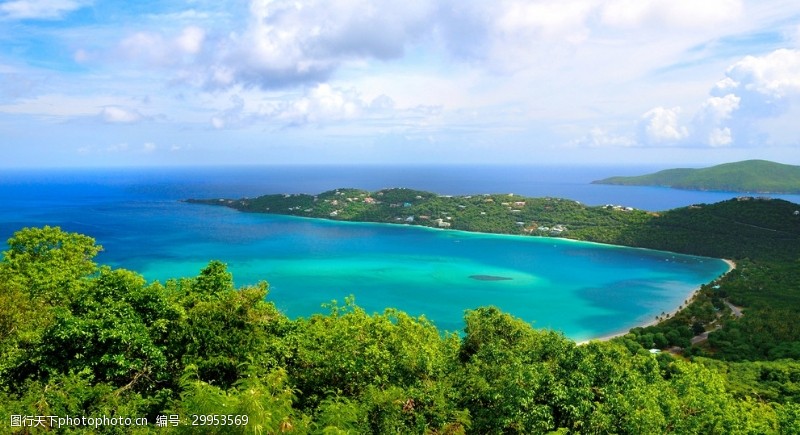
(467, 233)
(731, 266)
(533, 238)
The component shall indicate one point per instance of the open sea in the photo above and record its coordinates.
(584, 290)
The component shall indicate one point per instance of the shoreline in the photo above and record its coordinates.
(468, 233)
(530, 237)
(731, 266)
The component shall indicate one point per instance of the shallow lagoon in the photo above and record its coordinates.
(585, 290)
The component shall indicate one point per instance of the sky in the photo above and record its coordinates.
(197, 82)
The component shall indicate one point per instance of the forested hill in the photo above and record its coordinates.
(746, 176)
(744, 227)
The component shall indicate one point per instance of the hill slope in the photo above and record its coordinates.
(746, 176)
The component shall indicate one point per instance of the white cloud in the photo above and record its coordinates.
(159, 50)
(709, 122)
(754, 89)
(661, 125)
(600, 138)
(40, 9)
(320, 104)
(776, 75)
(288, 43)
(670, 13)
(191, 40)
(119, 115)
(718, 109)
(549, 19)
(720, 137)
(323, 103)
(118, 148)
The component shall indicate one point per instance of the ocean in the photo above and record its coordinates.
(584, 290)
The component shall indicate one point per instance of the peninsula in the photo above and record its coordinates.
(746, 226)
(755, 176)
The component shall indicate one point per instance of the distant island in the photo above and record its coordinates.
(755, 176)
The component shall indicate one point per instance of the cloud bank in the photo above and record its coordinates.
(754, 89)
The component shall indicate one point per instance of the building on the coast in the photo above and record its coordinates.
(442, 224)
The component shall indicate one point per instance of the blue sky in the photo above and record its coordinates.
(196, 82)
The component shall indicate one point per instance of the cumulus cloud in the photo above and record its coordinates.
(776, 75)
(316, 105)
(300, 42)
(661, 125)
(708, 123)
(720, 137)
(40, 9)
(284, 43)
(288, 43)
(754, 89)
(321, 104)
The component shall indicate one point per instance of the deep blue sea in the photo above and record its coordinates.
(585, 290)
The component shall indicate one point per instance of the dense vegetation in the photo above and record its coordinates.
(747, 176)
(80, 339)
(509, 214)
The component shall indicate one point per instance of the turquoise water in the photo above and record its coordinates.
(585, 290)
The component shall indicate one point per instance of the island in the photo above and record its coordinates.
(754, 176)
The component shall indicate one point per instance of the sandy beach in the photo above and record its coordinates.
(690, 297)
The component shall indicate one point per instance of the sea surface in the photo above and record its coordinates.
(584, 290)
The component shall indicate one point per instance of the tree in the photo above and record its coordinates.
(49, 262)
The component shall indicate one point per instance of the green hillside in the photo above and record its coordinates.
(747, 176)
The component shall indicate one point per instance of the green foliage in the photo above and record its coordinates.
(48, 262)
(758, 229)
(221, 328)
(266, 400)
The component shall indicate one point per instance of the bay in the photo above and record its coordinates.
(585, 290)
